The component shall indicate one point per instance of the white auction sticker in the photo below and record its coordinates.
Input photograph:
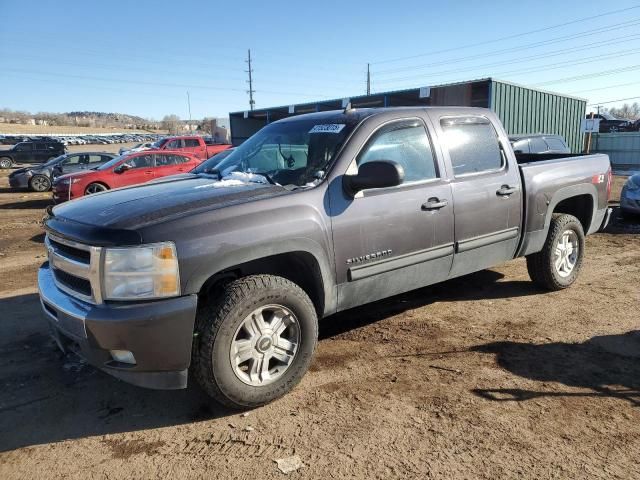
(328, 128)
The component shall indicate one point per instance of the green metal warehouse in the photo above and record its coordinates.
(521, 109)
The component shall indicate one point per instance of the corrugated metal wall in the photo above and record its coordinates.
(524, 110)
(623, 149)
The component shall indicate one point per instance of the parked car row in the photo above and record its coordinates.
(97, 139)
(39, 178)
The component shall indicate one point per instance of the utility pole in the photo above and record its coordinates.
(368, 80)
(189, 106)
(251, 91)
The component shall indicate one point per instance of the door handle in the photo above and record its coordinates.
(148, 172)
(506, 190)
(434, 203)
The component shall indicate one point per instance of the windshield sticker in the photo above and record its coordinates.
(328, 128)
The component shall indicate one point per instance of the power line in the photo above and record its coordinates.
(589, 75)
(555, 53)
(612, 101)
(508, 37)
(605, 88)
(616, 26)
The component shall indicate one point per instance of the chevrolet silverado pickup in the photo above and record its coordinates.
(223, 273)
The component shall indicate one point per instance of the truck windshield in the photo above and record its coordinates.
(295, 153)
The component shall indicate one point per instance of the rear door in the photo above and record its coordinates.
(486, 192)
(194, 147)
(170, 164)
(24, 152)
(392, 240)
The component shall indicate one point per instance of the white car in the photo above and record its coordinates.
(138, 148)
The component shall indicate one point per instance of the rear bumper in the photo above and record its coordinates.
(158, 333)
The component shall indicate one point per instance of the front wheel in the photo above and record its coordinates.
(40, 183)
(558, 264)
(255, 341)
(95, 188)
(6, 162)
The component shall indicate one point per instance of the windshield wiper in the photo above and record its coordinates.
(267, 176)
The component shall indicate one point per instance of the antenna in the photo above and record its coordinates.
(251, 91)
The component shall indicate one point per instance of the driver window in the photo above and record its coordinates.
(406, 143)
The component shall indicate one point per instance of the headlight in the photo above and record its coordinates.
(28, 173)
(146, 272)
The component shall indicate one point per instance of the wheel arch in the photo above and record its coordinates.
(304, 267)
(578, 200)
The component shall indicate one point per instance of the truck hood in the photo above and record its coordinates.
(141, 205)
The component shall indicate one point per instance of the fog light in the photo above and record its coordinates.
(123, 356)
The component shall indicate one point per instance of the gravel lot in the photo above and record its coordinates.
(480, 377)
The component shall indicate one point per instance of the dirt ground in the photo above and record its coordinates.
(480, 377)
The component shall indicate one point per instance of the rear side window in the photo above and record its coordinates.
(191, 142)
(72, 160)
(96, 158)
(42, 146)
(538, 145)
(473, 145)
(555, 143)
(174, 145)
(406, 143)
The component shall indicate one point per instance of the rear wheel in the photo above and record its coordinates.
(40, 183)
(95, 188)
(558, 264)
(255, 341)
(6, 162)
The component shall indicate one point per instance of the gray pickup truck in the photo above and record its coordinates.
(225, 272)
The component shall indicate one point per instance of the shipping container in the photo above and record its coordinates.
(521, 109)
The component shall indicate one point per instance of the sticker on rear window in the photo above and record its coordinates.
(328, 128)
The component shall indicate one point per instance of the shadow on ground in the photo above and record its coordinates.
(41, 204)
(46, 396)
(486, 284)
(608, 365)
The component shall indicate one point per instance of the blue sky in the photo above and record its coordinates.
(141, 57)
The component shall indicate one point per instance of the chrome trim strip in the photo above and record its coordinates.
(394, 263)
(59, 261)
(89, 271)
(57, 300)
(487, 239)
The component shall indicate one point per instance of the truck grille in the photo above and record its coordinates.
(76, 268)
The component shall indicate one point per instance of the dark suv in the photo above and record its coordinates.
(31, 152)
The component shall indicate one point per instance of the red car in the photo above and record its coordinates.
(123, 171)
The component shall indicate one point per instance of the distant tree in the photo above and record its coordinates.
(631, 112)
(171, 123)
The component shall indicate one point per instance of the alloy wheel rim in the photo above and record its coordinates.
(566, 253)
(40, 184)
(265, 345)
(95, 189)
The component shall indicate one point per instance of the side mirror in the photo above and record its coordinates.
(121, 168)
(376, 174)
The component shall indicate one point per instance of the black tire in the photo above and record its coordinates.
(542, 265)
(217, 323)
(6, 162)
(40, 183)
(95, 188)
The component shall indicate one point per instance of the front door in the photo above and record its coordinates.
(141, 170)
(391, 240)
(486, 193)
